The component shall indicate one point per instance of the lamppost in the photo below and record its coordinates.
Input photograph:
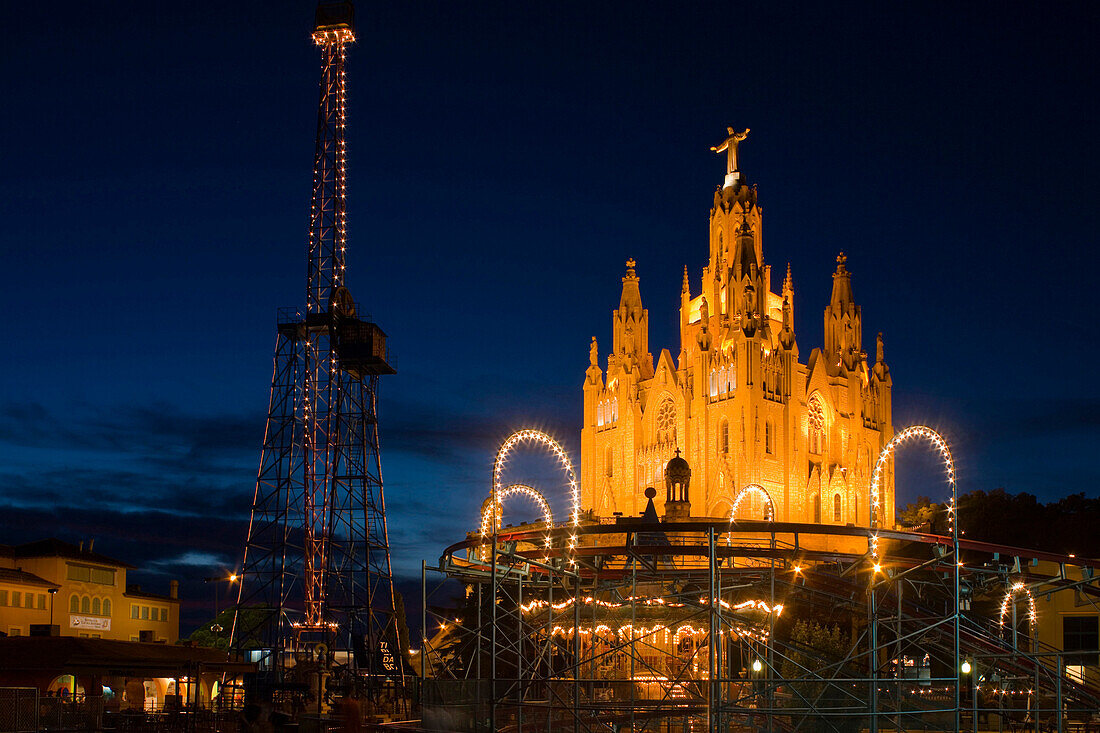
(215, 627)
(52, 592)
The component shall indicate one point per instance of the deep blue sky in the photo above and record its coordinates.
(505, 159)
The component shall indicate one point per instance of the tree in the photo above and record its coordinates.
(814, 657)
(207, 636)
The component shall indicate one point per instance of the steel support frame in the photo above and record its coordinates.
(548, 677)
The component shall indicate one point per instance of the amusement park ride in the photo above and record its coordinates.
(316, 597)
(722, 623)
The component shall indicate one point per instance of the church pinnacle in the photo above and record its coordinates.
(843, 322)
(631, 323)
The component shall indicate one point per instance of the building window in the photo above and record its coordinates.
(768, 438)
(609, 464)
(724, 437)
(41, 601)
(85, 605)
(666, 422)
(106, 606)
(1081, 634)
(28, 600)
(3, 598)
(16, 599)
(164, 614)
(144, 613)
(816, 416)
(135, 611)
(89, 574)
(96, 607)
(817, 508)
(836, 508)
(74, 603)
(713, 383)
(15, 631)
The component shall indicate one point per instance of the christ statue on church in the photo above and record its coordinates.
(730, 148)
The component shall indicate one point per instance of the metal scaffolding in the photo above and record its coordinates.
(632, 623)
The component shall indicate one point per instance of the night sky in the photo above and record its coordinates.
(505, 160)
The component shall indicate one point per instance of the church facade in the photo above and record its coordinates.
(765, 434)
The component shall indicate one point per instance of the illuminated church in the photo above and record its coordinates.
(765, 434)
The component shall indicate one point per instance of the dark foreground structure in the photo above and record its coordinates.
(633, 623)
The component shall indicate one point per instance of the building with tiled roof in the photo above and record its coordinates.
(52, 587)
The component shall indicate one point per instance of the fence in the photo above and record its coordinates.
(18, 710)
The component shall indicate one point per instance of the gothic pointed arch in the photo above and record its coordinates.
(606, 505)
(813, 496)
(664, 418)
(720, 508)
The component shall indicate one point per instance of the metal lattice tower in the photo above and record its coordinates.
(317, 564)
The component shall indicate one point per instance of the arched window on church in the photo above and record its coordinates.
(723, 382)
(666, 422)
(608, 462)
(769, 438)
(614, 409)
(713, 383)
(599, 414)
(731, 378)
(724, 436)
(817, 508)
(836, 508)
(816, 416)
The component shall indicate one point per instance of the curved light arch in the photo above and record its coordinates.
(938, 442)
(745, 491)
(514, 490)
(1010, 595)
(531, 435)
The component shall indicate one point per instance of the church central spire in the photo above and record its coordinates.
(631, 323)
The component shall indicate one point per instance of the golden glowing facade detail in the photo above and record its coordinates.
(736, 400)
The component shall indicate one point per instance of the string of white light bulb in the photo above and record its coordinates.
(937, 441)
(748, 490)
(531, 435)
(1010, 594)
(487, 514)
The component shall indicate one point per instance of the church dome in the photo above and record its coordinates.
(677, 478)
(678, 470)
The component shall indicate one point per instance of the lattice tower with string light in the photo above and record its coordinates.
(317, 583)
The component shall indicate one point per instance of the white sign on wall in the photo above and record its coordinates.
(90, 622)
